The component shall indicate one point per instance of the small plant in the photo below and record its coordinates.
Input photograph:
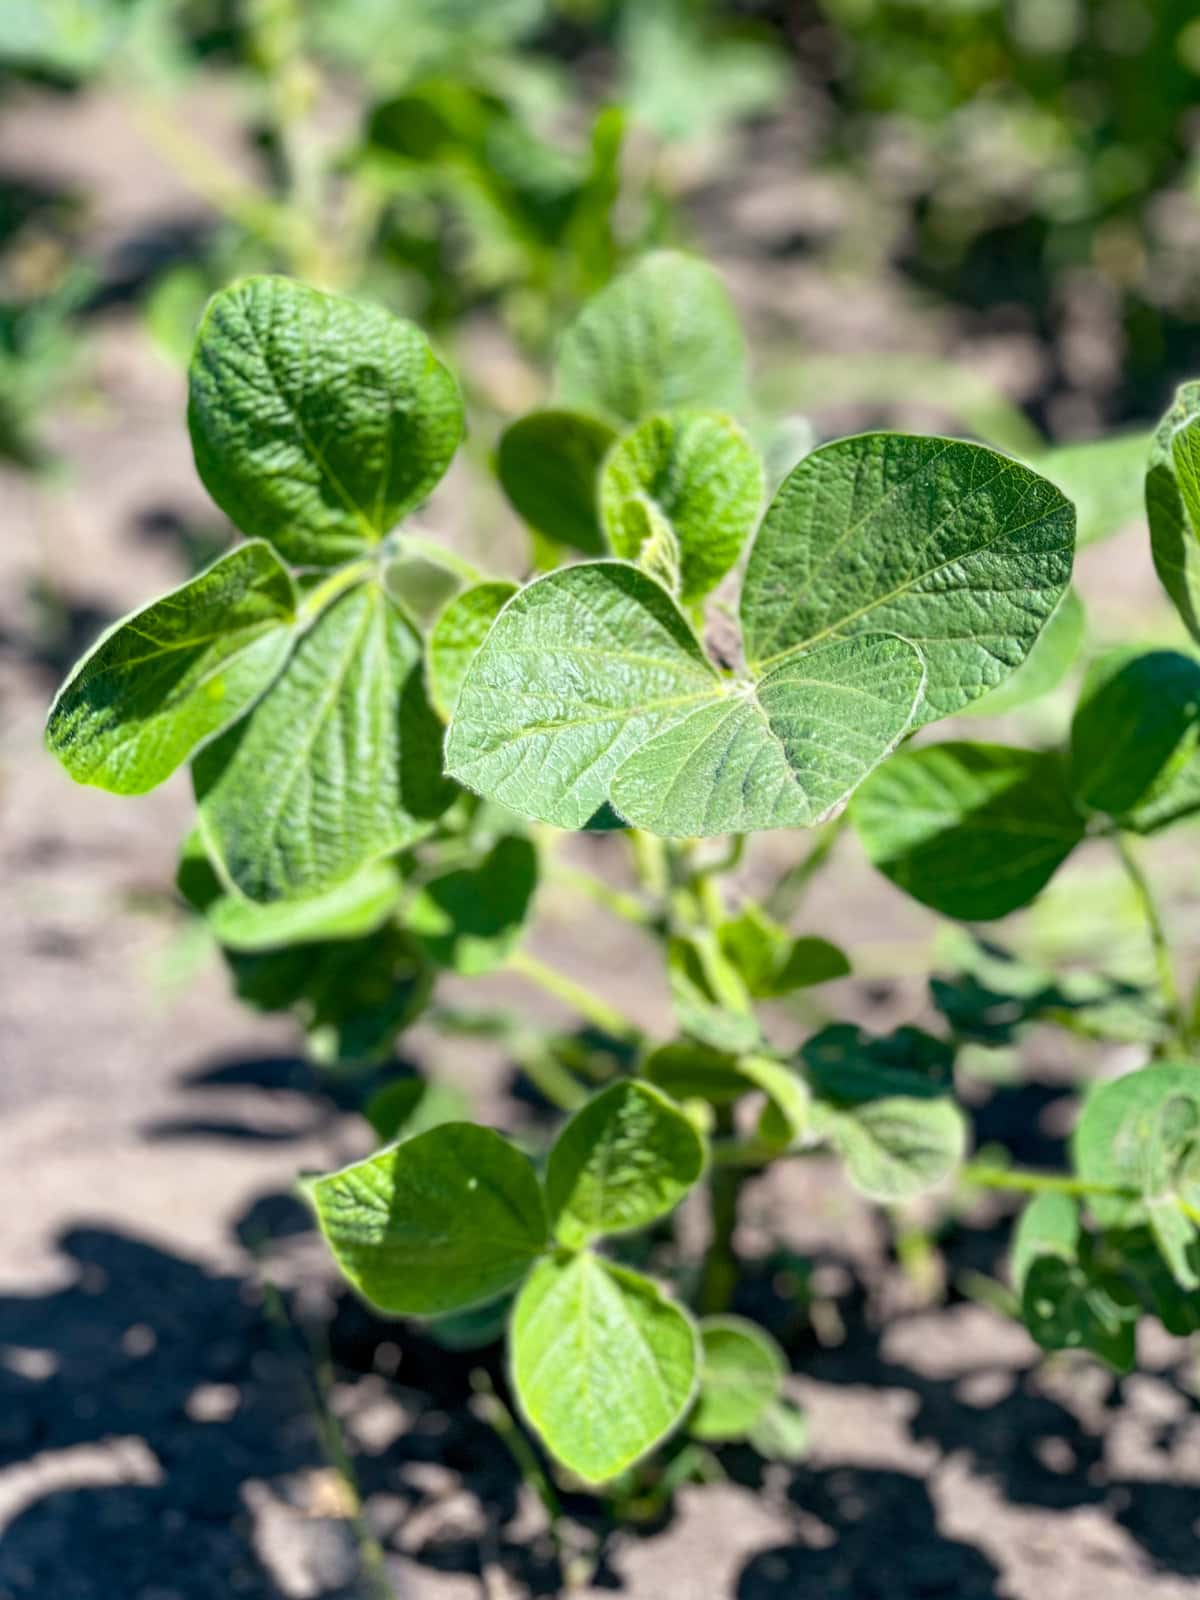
(383, 742)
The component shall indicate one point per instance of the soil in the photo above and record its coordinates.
(180, 1372)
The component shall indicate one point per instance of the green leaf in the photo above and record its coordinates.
(1044, 668)
(640, 526)
(711, 1002)
(954, 547)
(770, 962)
(896, 1147)
(1067, 1307)
(605, 1366)
(338, 764)
(741, 1378)
(317, 422)
(456, 635)
(409, 1106)
(688, 1070)
(352, 996)
(354, 907)
(548, 464)
(660, 337)
(973, 830)
(1103, 478)
(851, 1067)
(783, 753)
(1136, 727)
(163, 682)
(439, 1222)
(470, 919)
(782, 1433)
(1048, 1226)
(625, 1158)
(1139, 1259)
(787, 1116)
(1173, 504)
(701, 472)
(1141, 1133)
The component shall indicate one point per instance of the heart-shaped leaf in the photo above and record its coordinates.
(624, 1159)
(445, 1220)
(163, 682)
(954, 547)
(339, 764)
(973, 830)
(741, 1377)
(548, 464)
(604, 1364)
(896, 1147)
(702, 474)
(317, 421)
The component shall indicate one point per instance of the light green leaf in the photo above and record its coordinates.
(769, 961)
(455, 637)
(1048, 1226)
(445, 1220)
(548, 464)
(661, 336)
(894, 1148)
(782, 1434)
(954, 547)
(741, 1377)
(1136, 727)
(788, 1113)
(605, 1366)
(625, 1158)
(1044, 668)
(973, 830)
(339, 764)
(686, 1069)
(640, 526)
(712, 1005)
(701, 472)
(782, 753)
(354, 907)
(163, 682)
(1173, 504)
(1103, 478)
(317, 422)
(470, 919)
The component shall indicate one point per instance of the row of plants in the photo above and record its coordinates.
(388, 747)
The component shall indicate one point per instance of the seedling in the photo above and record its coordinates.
(383, 741)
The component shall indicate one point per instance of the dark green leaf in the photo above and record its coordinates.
(1066, 1307)
(549, 467)
(851, 1067)
(1173, 504)
(1136, 728)
(470, 919)
(409, 1106)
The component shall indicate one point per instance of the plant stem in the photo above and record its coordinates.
(1023, 1182)
(617, 901)
(789, 891)
(320, 596)
(548, 1076)
(592, 1007)
(719, 1275)
(1165, 968)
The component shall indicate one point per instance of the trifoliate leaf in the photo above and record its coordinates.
(316, 421)
(603, 1363)
(471, 918)
(549, 467)
(445, 1220)
(973, 830)
(1173, 504)
(660, 337)
(770, 962)
(456, 636)
(625, 1158)
(339, 764)
(1136, 727)
(701, 472)
(163, 682)
(741, 1377)
(957, 549)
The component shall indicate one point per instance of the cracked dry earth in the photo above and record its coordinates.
(175, 1355)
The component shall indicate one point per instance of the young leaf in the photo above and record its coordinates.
(896, 1147)
(471, 918)
(1173, 504)
(770, 962)
(548, 464)
(782, 1433)
(445, 1220)
(624, 1159)
(409, 1106)
(1067, 1306)
(960, 550)
(661, 336)
(712, 1005)
(316, 422)
(1048, 1226)
(741, 1378)
(973, 830)
(847, 1065)
(700, 471)
(604, 1365)
(1136, 727)
(352, 908)
(339, 764)
(164, 681)
(456, 635)
(689, 1070)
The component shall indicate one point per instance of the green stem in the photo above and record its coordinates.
(319, 597)
(590, 1006)
(981, 1176)
(790, 890)
(650, 862)
(548, 1075)
(1164, 966)
(720, 1271)
(617, 901)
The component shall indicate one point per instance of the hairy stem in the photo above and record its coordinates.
(1164, 966)
(621, 904)
(592, 1007)
(1019, 1181)
(787, 894)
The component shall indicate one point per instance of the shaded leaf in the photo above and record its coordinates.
(689, 1070)
(548, 464)
(604, 1364)
(770, 962)
(166, 680)
(470, 919)
(849, 1066)
(455, 637)
(741, 1378)
(413, 1105)
(1067, 1307)
(439, 1222)
(1103, 478)
(1135, 729)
